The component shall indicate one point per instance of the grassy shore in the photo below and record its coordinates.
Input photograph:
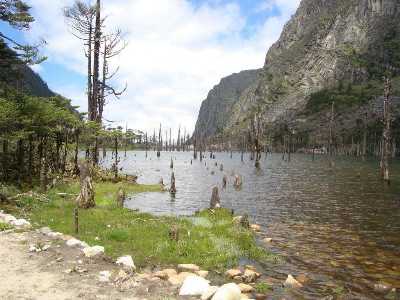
(209, 239)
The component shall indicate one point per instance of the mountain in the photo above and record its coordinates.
(33, 84)
(216, 109)
(331, 51)
(18, 75)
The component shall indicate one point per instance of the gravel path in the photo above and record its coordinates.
(44, 275)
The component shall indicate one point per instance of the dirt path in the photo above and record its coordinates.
(47, 274)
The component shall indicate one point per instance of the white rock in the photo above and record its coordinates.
(54, 235)
(194, 286)
(229, 291)
(209, 293)
(292, 283)
(45, 247)
(32, 248)
(126, 262)
(188, 268)
(76, 243)
(45, 230)
(104, 276)
(93, 251)
(9, 218)
(21, 223)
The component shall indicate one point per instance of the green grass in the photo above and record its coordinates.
(4, 226)
(209, 239)
(262, 288)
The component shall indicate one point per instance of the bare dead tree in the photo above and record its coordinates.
(386, 131)
(81, 17)
(331, 128)
(113, 45)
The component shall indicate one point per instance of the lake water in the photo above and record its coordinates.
(340, 227)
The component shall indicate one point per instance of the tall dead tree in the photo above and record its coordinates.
(331, 128)
(159, 144)
(113, 45)
(93, 111)
(81, 17)
(256, 133)
(386, 131)
(178, 141)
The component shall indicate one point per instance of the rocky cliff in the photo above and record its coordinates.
(330, 51)
(216, 109)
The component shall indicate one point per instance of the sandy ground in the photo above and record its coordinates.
(42, 275)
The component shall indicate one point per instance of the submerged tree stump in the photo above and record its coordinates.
(85, 198)
(171, 165)
(215, 200)
(224, 181)
(221, 167)
(172, 189)
(238, 181)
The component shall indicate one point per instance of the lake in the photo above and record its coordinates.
(340, 226)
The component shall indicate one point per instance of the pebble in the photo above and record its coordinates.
(104, 276)
(245, 288)
(233, 273)
(292, 283)
(250, 276)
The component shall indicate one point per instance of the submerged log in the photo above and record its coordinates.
(215, 200)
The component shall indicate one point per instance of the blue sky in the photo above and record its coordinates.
(178, 50)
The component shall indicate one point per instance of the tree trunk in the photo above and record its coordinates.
(386, 132)
(85, 198)
(93, 109)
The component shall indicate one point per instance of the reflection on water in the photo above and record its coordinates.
(340, 227)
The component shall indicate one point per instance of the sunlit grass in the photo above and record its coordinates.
(209, 239)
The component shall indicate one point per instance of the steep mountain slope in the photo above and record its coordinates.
(19, 75)
(216, 109)
(330, 51)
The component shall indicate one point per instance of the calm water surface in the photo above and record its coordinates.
(340, 227)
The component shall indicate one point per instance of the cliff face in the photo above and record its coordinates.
(216, 109)
(325, 44)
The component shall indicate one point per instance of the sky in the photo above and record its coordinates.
(177, 51)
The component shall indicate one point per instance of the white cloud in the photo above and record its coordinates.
(177, 52)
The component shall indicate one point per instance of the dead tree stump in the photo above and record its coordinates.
(238, 181)
(76, 220)
(224, 181)
(215, 200)
(85, 198)
(244, 221)
(221, 167)
(171, 165)
(121, 197)
(174, 233)
(172, 189)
